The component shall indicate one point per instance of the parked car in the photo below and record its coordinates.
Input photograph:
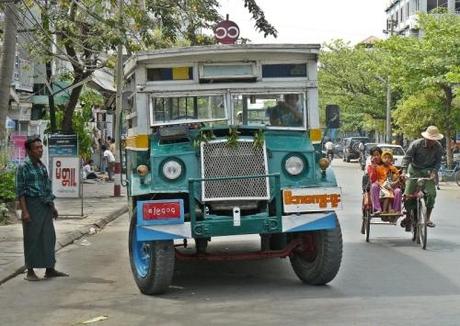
(351, 147)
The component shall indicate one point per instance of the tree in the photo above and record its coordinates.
(89, 29)
(427, 70)
(349, 76)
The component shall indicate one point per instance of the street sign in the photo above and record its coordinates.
(63, 145)
(226, 32)
(66, 177)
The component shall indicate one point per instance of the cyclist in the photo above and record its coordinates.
(423, 159)
(329, 147)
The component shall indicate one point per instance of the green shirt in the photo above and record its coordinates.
(420, 156)
(32, 181)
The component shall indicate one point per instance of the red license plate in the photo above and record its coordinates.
(164, 210)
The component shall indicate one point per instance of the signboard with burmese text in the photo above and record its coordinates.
(66, 177)
(298, 200)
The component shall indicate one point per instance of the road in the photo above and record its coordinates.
(389, 281)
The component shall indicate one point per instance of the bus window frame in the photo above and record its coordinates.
(152, 96)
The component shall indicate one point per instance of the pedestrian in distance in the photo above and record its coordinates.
(88, 172)
(110, 160)
(36, 200)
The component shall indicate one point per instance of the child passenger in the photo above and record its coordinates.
(384, 184)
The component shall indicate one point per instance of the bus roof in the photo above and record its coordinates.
(203, 51)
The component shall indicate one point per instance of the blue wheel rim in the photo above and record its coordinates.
(141, 256)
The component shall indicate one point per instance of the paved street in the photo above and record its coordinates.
(389, 281)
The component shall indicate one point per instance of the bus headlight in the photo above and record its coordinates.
(294, 165)
(172, 169)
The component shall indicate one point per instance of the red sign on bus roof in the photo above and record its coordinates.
(226, 32)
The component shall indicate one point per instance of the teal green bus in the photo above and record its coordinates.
(225, 140)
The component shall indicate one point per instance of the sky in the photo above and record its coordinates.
(311, 21)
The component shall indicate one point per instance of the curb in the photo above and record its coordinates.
(75, 235)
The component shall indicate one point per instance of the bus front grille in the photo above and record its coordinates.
(218, 159)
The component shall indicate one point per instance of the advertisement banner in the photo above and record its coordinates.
(66, 177)
(17, 149)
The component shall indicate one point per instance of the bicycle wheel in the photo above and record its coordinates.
(421, 223)
(457, 177)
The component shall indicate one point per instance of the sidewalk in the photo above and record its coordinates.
(99, 208)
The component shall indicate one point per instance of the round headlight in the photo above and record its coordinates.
(172, 169)
(294, 165)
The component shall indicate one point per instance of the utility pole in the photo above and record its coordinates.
(118, 103)
(7, 66)
(388, 111)
(49, 71)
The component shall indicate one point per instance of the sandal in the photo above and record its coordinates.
(430, 224)
(55, 273)
(31, 278)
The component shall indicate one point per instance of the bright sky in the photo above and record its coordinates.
(311, 21)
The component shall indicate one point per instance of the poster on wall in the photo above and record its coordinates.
(17, 149)
(66, 177)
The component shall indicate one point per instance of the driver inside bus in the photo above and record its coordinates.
(287, 113)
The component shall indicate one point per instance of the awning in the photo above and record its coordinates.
(102, 81)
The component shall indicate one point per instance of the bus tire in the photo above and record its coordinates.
(152, 262)
(321, 266)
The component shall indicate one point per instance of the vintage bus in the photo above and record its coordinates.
(225, 140)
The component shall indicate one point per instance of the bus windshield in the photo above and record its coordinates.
(185, 109)
(273, 110)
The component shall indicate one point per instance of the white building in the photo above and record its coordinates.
(402, 14)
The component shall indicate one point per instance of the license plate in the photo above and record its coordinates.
(169, 211)
(298, 200)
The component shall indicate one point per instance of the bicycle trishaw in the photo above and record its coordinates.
(415, 214)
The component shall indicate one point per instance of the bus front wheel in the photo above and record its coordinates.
(318, 260)
(152, 262)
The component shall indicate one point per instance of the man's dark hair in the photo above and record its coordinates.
(30, 141)
(103, 147)
(375, 148)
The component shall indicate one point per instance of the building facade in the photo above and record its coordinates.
(402, 14)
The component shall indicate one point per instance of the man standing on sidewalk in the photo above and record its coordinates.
(110, 159)
(33, 190)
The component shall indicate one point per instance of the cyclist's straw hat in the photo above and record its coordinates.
(432, 133)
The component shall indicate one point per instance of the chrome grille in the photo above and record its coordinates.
(220, 160)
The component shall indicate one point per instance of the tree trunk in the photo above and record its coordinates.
(67, 127)
(7, 65)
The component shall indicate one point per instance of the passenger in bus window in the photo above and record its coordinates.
(286, 113)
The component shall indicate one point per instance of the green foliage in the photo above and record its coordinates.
(259, 139)
(203, 136)
(88, 99)
(349, 76)
(233, 135)
(8, 188)
(427, 70)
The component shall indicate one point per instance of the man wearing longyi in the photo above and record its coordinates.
(36, 200)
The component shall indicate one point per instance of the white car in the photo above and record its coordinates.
(397, 151)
